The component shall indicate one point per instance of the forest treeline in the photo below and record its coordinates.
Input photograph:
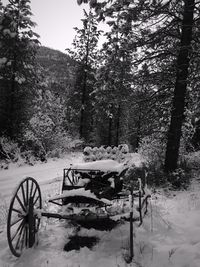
(141, 87)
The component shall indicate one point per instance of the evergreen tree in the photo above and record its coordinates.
(114, 77)
(85, 53)
(178, 107)
(18, 48)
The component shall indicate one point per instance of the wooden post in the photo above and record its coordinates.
(140, 207)
(140, 200)
(131, 224)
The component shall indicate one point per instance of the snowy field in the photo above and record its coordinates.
(169, 236)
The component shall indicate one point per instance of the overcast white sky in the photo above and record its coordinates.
(56, 20)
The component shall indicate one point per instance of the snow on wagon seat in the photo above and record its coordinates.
(108, 165)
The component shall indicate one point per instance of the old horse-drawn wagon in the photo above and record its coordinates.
(90, 192)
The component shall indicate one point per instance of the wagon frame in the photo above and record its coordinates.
(23, 222)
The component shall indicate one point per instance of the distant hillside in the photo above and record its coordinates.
(58, 67)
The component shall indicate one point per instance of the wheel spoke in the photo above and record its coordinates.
(34, 192)
(36, 200)
(24, 209)
(27, 188)
(23, 238)
(26, 243)
(31, 188)
(18, 240)
(16, 210)
(17, 231)
(15, 222)
(23, 194)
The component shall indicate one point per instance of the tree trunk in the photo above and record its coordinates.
(11, 108)
(118, 125)
(110, 131)
(12, 113)
(138, 130)
(83, 99)
(84, 88)
(178, 106)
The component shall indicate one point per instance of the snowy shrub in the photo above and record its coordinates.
(54, 153)
(65, 142)
(28, 157)
(10, 151)
(4, 164)
(95, 150)
(99, 156)
(108, 149)
(152, 149)
(40, 134)
(100, 153)
(76, 144)
(46, 140)
(113, 156)
(87, 151)
(62, 143)
(133, 174)
(179, 178)
(193, 160)
(123, 148)
(106, 155)
(156, 176)
(114, 150)
(122, 157)
(93, 158)
(122, 153)
(102, 150)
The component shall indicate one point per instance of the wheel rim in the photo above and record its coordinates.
(18, 216)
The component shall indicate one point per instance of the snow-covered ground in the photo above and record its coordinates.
(44, 173)
(169, 236)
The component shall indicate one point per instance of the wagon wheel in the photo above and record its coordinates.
(22, 223)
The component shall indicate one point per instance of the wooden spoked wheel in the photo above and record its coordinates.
(23, 221)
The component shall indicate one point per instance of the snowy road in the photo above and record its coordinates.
(44, 173)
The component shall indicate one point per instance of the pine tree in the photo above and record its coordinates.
(85, 53)
(146, 36)
(178, 107)
(114, 76)
(18, 48)
(193, 100)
